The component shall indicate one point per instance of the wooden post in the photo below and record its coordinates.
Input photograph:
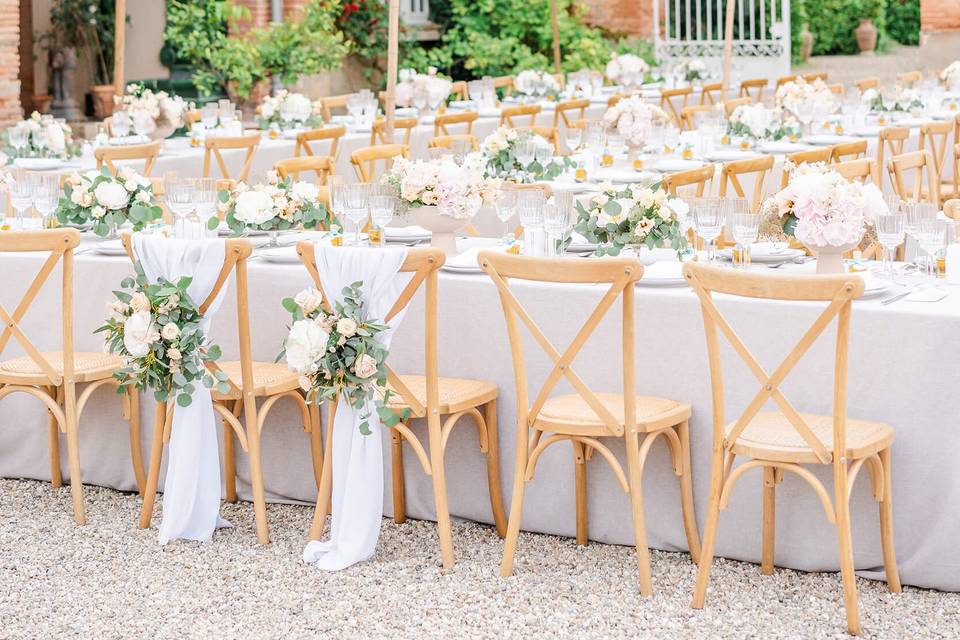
(119, 35)
(393, 44)
(556, 36)
(728, 47)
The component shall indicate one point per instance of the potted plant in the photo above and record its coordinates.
(867, 32)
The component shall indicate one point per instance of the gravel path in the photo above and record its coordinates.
(110, 580)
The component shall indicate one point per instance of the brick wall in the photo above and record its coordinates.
(9, 61)
(631, 17)
(939, 15)
(259, 14)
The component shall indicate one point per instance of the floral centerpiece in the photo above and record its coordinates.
(337, 354)
(288, 110)
(425, 91)
(824, 211)
(759, 122)
(627, 69)
(806, 100)
(951, 76)
(691, 70)
(158, 114)
(634, 215)
(632, 118)
(278, 205)
(155, 329)
(39, 137)
(536, 84)
(499, 151)
(900, 99)
(107, 201)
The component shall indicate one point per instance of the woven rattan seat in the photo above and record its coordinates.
(268, 378)
(87, 367)
(456, 394)
(569, 413)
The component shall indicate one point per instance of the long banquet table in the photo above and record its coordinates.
(902, 371)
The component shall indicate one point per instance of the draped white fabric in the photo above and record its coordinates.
(191, 492)
(357, 507)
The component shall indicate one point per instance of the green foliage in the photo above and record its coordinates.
(798, 17)
(903, 21)
(304, 46)
(364, 27)
(832, 23)
(87, 26)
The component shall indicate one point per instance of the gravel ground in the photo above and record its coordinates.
(111, 580)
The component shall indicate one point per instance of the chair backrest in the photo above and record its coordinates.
(837, 88)
(797, 158)
(333, 134)
(848, 151)
(711, 93)
(445, 120)
(934, 136)
(872, 82)
(322, 167)
(365, 159)
(951, 209)
(446, 142)
(816, 75)
(507, 114)
(614, 99)
(782, 80)
(753, 88)
(688, 115)
(504, 83)
(619, 274)
(378, 133)
(458, 90)
(569, 111)
(918, 162)
(732, 171)
(214, 146)
(890, 140)
(672, 101)
(146, 152)
(907, 79)
(547, 133)
(328, 104)
(60, 244)
(700, 177)
(956, 167)
(731, 105)
(838, 291)
(423, 264)
(864, 169)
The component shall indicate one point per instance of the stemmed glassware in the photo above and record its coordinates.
(557, 221)
(382, 205)
(931, 238)
(917, 212)
(204, 192)
(745, 229)
(21, 193)
(890, 234)
(18, 135)
(708, 220)
(120, 124)
(356, 202)
(525, 153)
(46, 193)
(209, 116)
(530, 209)
(573, 136)
(335, 186)
(178, 193)
(506, 204)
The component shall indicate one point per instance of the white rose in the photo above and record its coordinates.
(56, 138)
(174, 353)
(98, 212)
(305, 344)
(254, 207)
(140, 302)
(112, 195)
(142, 196)
(170, 331)
(308, 300)
(78, 196)
(138, 334)
(306, 191)
(346, 327)
(143, 121)
(305, 383)
(365, 366)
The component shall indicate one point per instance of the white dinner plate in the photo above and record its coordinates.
(823, 139)
(582, 247)
(727, 155)
(570, 186)
(782, 146)
(766, 253)
(459, 269)
(875, 287)
(280, 255)
(460, 104)
(39, 164)
(110, 248)
(412, 233)
(663, 274)
(614, 174)
(676, 164)
(489, 112)
(867, 131)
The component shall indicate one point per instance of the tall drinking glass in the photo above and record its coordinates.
(745, 228)
(356, 203)
(708, 220)
(21, 193)
(530, 209)
(382, 205)
(46, 193)
(178, 193)
(506, 204)
(890, 234)
(557, 221)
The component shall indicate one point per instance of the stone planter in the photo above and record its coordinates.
(102, 100)
(866, 35)
(806, 43)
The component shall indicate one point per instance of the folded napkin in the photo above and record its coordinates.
(468, 259)
(929, 294)
(413, 231)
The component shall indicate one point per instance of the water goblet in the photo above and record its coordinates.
(356, 203)
(120, 124)
(745, 228)
(931, 236)
(557, 221)
(46, 193)
(530, 209)
(890, 234)
(383, 202)
(708, 220)
(21, 193)
(506, 205)
(525, 153)
(178, 193)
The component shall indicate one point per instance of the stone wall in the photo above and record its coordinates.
(9, 61)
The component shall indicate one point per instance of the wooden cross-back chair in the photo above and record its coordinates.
(836, 88)
(935, 137)
(816, 75)
(919, 163)
(910, 77)
(215, 146)
(892, 141)
(570, 111)
(428, 397)
(507, 114)
(248, 381)
(782, 80)
(797, 158)
(52, 376)
(711, 93)
(753, 89)
(504, 84)
(785, 439)
(672, 101)
(443, 122)
(447, 142)
(731, 105)
(700, 177)
(954, 190)
(364, 159)
(862, 169)
(951, 209)
(732, 171)
(321, 166)
(458, 90)
(688, 115)
(614, 99)
(586, 418)
(378, 132)
(848, 151)
(863, 84)
(333, 134)
(329, 103)
(148, 153)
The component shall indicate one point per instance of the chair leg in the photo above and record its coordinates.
(399, 490)
(769, 520)
(847, 574)
(493, 468)
(326, 479)
(316, 443)
(229, 462)
(516, 512)
(886, 525)
(580, 482)
(686, 493)
(132, 398)
(444, 527)
(53, 434)
(256, 470)
(153, 473)
(73, 453)
(636, 506)
(710, 532)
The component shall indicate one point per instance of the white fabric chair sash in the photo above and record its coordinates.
(192, 489)
(357, 459)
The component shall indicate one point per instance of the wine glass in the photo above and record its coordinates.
(209, 116)
(543, 154)
(890, 234)
(21, 193)
(931, 237)
(120, 124)
(573, 136)
(18, 136)
(530, 209)
(708, 219)
(557, 221)
(204, 191)
(46, 193)
(356, 200)
(335, 184)
(745, 228)
(525, 153)
(179, 197)
(916, 212)
(382, 205)
(506, 204)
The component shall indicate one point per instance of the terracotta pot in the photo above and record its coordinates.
(830, 258)
(102, 100)
(248, 106)
(42, 103)
(866, 35)
(806, 43)
(443, 228)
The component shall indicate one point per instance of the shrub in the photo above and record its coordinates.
(903, 21)
(832, 23)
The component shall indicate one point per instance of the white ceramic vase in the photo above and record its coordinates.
(830, 258)
(443, 228)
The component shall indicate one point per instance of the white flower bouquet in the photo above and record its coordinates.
(634, 215)
(278, 205)
(107, 201)
(759, 122)
(457, 190)
(627, 69)
(39, 137)
(691, 70)
(951, 76)
(499, 152)
(632, 118)
(153, 111)
(155, 329)
(802, 98)
(289, 110)
(819, 207)
(422, 90)
(336, 353)
(900, 99)
(536, 84)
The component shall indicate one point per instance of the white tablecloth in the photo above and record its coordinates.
(901, 371)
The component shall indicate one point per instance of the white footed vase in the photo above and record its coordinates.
(443, 228)
(830, 258)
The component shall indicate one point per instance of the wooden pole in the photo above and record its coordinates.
(728, 47)
(556, 36)
(393, 44)
(119, 35)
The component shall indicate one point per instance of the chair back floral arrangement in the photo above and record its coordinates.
(456, 189)
(39, 136)
(759, 122)
(155, 329)
(336, 353)
(288, 110)
(422, 90)
(691, 70)
(951, 76)
(278, 205)
(499, 152)
(107, 201)
(632, 117)
(627, 69)
(819, 207)
(800, 97)
(900, 99)
(153, 111)
(536, 84)
(634, 215)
